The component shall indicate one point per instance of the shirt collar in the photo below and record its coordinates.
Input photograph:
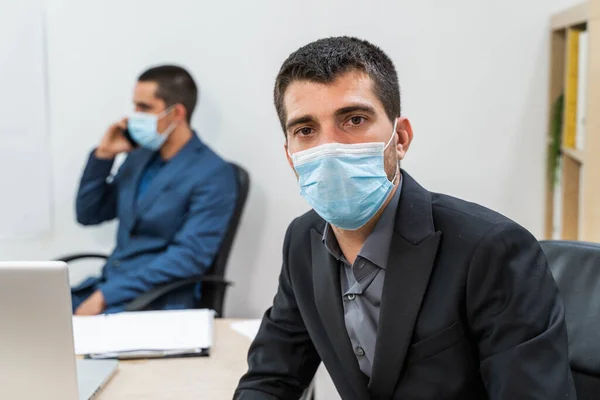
(377, 246)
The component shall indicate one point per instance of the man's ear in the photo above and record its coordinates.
(405, 136)
(180, 112)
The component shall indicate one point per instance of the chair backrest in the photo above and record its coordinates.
(214, 296)
(576, 270)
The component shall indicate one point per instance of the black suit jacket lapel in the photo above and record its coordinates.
(412, 255)
(328, 299)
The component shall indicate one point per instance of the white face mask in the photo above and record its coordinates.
(346, 184)
(143, 128)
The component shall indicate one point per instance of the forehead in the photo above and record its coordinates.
(145, 91)
(323, 99)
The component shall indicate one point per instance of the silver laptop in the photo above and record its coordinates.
(37, 357)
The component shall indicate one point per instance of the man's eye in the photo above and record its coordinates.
(304, 131)
(356, 120)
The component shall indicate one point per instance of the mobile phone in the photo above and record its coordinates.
(129, 138)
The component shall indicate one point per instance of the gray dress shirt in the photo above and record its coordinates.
(362, 283)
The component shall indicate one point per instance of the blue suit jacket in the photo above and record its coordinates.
(172, 233)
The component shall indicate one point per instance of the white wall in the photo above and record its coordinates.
(473, 75)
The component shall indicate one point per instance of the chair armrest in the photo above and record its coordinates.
(144, 300)
(80, 256)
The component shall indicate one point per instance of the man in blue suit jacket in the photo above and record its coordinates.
(173, 197)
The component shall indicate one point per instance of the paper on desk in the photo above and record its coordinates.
(247, 328)
(138, 332)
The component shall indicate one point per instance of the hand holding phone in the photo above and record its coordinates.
(115, 141)
(129, 138)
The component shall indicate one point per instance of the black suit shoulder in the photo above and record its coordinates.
(470, 221)
(451, 215)
(448, 206)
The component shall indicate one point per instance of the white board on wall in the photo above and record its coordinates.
(25, 190)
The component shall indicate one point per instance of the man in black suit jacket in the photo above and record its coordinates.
(401, 293)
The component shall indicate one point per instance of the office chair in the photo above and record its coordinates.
(213, 282)
(576, 270)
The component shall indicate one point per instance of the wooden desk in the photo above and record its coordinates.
(214, 377)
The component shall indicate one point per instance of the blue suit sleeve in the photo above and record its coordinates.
(96, 198)
(193, 247)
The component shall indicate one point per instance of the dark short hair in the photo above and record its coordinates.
(175, 85)
(325, 60)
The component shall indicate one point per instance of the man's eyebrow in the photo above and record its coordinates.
(300, 120)
(339, 112)
(142, 105)
(354, 108)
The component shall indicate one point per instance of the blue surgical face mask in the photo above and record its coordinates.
(346, 184)
(143, 128)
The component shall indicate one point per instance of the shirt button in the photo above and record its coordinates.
(351, 296)
(116, 263)
(359, 351)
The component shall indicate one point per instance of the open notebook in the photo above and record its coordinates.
(147, 334)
